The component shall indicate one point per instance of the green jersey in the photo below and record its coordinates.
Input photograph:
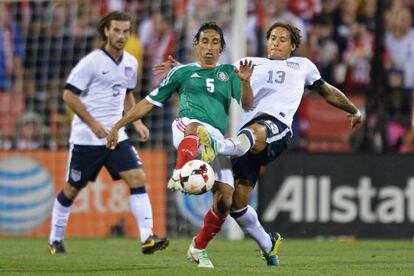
(204, 94)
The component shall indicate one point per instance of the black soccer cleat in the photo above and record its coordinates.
(153, 243)
(56, 248)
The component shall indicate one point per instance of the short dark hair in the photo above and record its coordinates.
(210, 26)
(105, 21)
(295, 37)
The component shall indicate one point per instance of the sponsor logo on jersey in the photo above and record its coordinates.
(195, 75)
(272, 126)
(223, 76)
(293, 65)
(154, 92)
(129, 71)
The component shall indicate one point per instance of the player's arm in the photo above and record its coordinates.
(73, 101)
(142, 129)
(336, 98)
(137, 112)
(244, 72)
(162, 69)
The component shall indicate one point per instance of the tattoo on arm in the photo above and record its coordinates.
(336, 98)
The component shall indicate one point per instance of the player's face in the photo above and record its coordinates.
(118, 34)
(208, 47)
(279, 45)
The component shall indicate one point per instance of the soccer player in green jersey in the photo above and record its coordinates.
(205, 90)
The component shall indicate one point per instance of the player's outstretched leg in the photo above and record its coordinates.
(271, 257)
(153, 243)
(56, 248)
(209, 145)
(199, 256)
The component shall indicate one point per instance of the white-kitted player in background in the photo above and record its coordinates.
(98, 90)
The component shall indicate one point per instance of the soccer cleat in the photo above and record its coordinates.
(56, 248)
(174, 183)
(271, 257)
(199, 256)
(153, 243)
(209, 144)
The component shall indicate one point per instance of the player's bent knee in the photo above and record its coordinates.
(134, 178)
(222, 199)
(260, 138)
(70, 191)
(239, 203)
(241, 194)
(191, 128)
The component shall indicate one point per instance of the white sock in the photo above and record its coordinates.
(237, 146)
(60, 216)
(142, 211)
(251, 225)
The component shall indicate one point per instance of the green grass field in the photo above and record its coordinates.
(123, 257)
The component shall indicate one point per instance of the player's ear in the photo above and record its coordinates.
(293, 47)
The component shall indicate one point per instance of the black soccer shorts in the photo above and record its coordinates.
(247, 167)
(85, 162)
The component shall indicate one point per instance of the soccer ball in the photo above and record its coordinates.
(197, 177)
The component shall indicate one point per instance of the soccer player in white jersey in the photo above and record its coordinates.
(205, 90)
(98, 90)
(278, 83)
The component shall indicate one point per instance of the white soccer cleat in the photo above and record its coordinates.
(199, 256)
(174, 183)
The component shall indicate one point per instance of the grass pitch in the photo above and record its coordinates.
(123, 257)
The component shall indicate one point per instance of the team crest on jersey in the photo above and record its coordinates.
(293, 65)
(129, 71)
(75, 175)
(223, 76)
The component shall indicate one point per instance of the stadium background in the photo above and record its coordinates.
(362, 46)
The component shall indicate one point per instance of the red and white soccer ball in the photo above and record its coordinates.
(197, 177)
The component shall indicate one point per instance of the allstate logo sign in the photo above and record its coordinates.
(26, 194)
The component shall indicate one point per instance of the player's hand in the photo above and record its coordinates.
(245, 70)
(356, 119)
(142, 130)
(112, 139)
(99, 130)
(162, 69)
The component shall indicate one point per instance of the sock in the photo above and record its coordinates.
(212, 225)
(248, 221)
(237, 146)
(60, 215)
(141, 209)
(187, 150)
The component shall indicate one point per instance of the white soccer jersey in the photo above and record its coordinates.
(278, 87)
(101, 84)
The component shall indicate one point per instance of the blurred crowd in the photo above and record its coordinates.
(40, 41)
